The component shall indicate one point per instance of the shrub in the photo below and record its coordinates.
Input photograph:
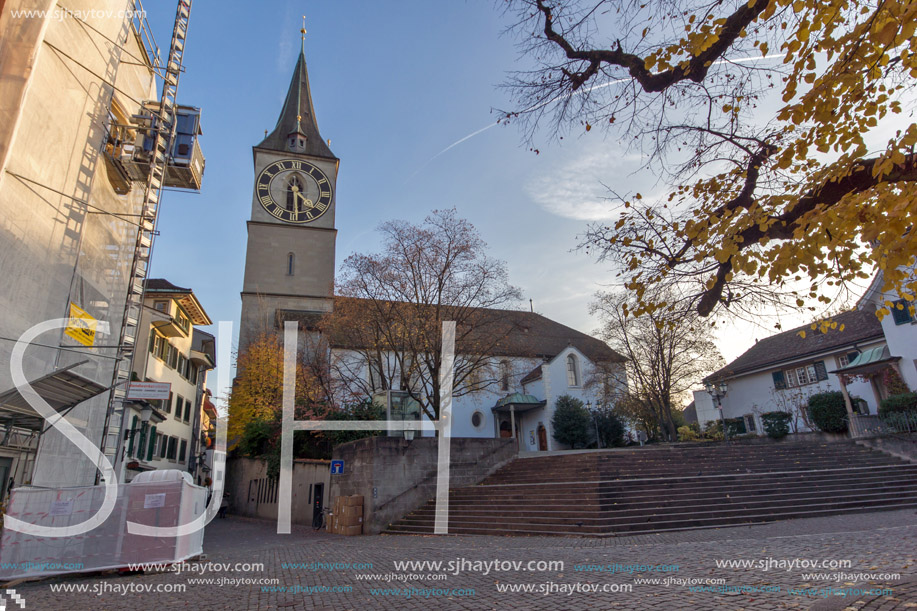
(686, 433)
(572, 422)
(900, 422)
(735, 427)
(611, 429)
(828, 411)
(714, 430)
(776, 424)
(904, 402)
(366, 410)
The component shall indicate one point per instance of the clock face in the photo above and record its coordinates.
(294, 191)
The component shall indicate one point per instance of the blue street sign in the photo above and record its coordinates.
(337, 467)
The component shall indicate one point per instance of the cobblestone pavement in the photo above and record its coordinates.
(877, 544)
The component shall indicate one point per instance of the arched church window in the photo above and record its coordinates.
(294, 193)
(572, 371)
(504, 375)
(291, 264)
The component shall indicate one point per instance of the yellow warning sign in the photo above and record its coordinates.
(81, 326)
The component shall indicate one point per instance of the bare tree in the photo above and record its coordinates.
(388, 317)
(754, 216)
(666, 355)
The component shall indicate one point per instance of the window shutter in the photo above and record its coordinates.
(902, 316)
(149, 452)
(779, 380)
(820, 372)
(130, 442)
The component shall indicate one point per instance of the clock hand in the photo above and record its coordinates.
(306, 202)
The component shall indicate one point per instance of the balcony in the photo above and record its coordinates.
(172, 327)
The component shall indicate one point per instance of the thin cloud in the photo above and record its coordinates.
(741, 60)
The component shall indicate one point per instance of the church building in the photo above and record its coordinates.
(289, 275)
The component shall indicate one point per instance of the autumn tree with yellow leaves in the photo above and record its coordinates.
(255, 403)
(783, 129)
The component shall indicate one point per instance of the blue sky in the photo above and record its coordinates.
(394, 84)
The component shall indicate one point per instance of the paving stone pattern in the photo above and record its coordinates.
(876, 542)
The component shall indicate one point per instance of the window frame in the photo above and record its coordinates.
(504, 375)
(573, 373)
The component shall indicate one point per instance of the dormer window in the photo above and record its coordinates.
(297, 142)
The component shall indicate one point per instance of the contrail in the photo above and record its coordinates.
(552, 100)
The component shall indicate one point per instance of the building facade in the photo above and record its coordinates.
(780, 372)
(165, 433)
(289, 259)
(66, 232)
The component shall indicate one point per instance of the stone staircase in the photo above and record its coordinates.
(677, 487)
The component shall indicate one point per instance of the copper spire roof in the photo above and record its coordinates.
(298, 116)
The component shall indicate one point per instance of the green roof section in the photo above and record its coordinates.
(519, 399)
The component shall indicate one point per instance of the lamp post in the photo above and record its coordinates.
(595, 423)
(718, 391)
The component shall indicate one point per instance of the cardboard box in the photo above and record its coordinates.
(352, 501)
(329, 523)
(351, 511)
(350, 531)
(354, 521)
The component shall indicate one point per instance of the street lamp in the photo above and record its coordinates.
(598, 439)
(718, 391)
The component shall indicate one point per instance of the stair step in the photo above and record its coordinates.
(603, 493)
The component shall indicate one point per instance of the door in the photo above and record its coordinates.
(542, 438)
(5, 465)
(317, 505)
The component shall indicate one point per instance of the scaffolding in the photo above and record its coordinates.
(160, 131)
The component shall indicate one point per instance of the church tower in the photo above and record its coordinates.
(289, 263)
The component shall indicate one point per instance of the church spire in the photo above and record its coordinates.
(297, 128)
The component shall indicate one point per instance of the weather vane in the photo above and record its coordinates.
(303, 30)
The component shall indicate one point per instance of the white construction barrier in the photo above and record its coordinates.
(155, 498)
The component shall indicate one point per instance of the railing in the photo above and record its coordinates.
(878, 426)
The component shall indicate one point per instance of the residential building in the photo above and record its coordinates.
(202, 469)
(780, 372)
(289, 275)
(163, 434)
(899, 328)
(68, 75)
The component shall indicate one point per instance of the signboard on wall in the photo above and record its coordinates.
(81, 326)
(150, 391)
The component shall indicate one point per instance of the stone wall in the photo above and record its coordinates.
(901, 446)
(253, 494)
(395, 476)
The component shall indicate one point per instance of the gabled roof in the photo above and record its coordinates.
(163, 285)
(524, 334)
(860, 325)
(298, 115)
(184, 296)
(533, 375)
